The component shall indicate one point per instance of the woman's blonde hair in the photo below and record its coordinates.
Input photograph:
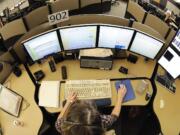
(82, 119)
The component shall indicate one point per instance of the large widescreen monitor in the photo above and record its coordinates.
(78, 37)
(170, 61)
(42, 45)
(176, 41)
(146, 45)
(115, 37)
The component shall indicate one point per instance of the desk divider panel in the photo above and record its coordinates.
(95, 18)
(12, 29)
(157, 24)
(7, 68)
(37, 17)
(136, 11)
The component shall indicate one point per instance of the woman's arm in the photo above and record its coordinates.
(71, 99)
(120, 95)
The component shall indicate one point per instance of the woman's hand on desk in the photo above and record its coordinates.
(71, 99)
(120, 95)
(121, 92)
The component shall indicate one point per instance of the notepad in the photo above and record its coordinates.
(49, 94)
(10, 101)
(130, 92)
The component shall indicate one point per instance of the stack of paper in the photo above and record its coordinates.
(49, 94)
(97, 52)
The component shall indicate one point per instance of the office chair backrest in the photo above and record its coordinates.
(157, 24)
(37, 30)
(13, 28)
(61, 5)
(170, 36)
(147, 29)
(37, 17)
(136, 11)
(85, 3)
(167, 42)
(95, 18)
(7, 68)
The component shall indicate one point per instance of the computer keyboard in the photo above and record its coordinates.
(89, 89)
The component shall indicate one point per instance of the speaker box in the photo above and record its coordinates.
(58, 58)
(39, 75)
(132, 58)
(17, 71)
(96, 62)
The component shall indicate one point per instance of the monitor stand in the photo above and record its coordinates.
(167, 81)
(70, 55)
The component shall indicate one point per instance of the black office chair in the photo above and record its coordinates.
(178, 21)
(2, 46)
(139, 120)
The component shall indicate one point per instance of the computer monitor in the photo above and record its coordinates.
(42, 45)
(176, 41)
(115, 37)
(146, 45)
(170, 61)
(78, 37)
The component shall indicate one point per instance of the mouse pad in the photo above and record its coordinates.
(130, 92)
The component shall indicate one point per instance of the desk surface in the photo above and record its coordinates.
(31, 116)
(168, 116)
(74, 72)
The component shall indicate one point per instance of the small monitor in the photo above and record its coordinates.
(115, 37)
(146, 45)
(170, 61)
(43, 45)
(176, 41)
(78, 37)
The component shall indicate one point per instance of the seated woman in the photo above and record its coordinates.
(81, 117)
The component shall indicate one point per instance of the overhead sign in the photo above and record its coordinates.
(58, 17)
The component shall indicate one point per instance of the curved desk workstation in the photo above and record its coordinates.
(145, 68)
